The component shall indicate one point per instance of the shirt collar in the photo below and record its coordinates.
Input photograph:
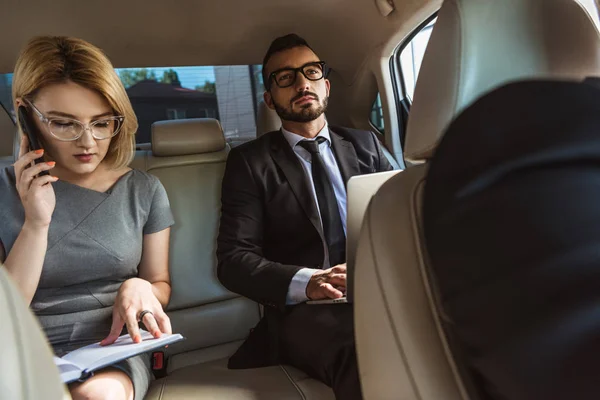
(293, 139)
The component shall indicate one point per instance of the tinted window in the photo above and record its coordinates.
(411, 57)
(377, 115)
(227, 93)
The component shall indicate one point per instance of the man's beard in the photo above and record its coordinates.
(306, 114)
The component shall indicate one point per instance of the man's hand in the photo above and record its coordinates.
(325, 284)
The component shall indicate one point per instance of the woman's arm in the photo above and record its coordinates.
(26, 258)
(154, 266)
(149, 292)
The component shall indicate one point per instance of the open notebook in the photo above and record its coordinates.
(81, 363)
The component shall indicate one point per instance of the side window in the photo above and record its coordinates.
(406, 63)
(6, 95)
(411, 57)
(175, 113)
(377, 115)
(227, 93)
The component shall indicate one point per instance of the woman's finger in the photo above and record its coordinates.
(115, 329)
(164, 322)
(42, 180)
(29, 175)
(25, 161)
(31, 172)
(132, 326)
(151, 325)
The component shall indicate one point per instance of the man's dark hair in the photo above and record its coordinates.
(282, 43)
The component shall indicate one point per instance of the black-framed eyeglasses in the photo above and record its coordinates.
(67, 129)
(286, 77)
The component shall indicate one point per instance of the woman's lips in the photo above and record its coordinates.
(84, 158)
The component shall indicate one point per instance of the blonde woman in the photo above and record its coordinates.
(87, 244)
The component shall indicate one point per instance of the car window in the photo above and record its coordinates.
(5, 95)
(376, 117)
(406, 64)
(227, 93)
(411, 57)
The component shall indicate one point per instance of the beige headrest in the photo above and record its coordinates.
(267, 120)
(477, 45)
(186, 136)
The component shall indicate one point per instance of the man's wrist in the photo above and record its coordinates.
(298, 286)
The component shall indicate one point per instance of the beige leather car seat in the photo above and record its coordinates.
(475, 46)
(267, 120)
(27, 371)
(188, 156)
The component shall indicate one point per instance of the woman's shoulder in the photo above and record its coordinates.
(142, 176)
(142, 181)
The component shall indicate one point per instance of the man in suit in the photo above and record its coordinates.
(282, 234)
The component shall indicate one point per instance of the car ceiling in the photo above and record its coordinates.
(146, 33)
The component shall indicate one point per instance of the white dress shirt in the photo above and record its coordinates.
(297, 289)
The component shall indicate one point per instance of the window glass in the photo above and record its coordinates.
(222, 92)
(5, 94)
(377, 115)
(227, 93)
(592, 7)
(257, 82)
(411, 57)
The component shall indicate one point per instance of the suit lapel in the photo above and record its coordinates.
(286, 159)
(345, 156)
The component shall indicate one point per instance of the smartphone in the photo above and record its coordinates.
(31, 130)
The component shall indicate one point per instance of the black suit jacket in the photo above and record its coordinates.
(512, 225)
(270, 226)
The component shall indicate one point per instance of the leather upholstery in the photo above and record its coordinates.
(399, 350)
(475, 46)
(28, 372)
(214, 381)
(190, 164)
(267, 120)
(188, 136)
(484, 44)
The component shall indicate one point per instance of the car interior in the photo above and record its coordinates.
(459, 49)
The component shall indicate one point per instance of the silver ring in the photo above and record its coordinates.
(143, 313)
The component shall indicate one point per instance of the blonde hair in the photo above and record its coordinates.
(47, 60)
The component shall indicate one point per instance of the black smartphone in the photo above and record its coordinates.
(31, 130)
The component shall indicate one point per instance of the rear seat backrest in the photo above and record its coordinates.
(188, 156)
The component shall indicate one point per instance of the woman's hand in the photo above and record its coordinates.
(136, 295)
(36, 193)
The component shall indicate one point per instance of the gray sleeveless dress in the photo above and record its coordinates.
(94, 245)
